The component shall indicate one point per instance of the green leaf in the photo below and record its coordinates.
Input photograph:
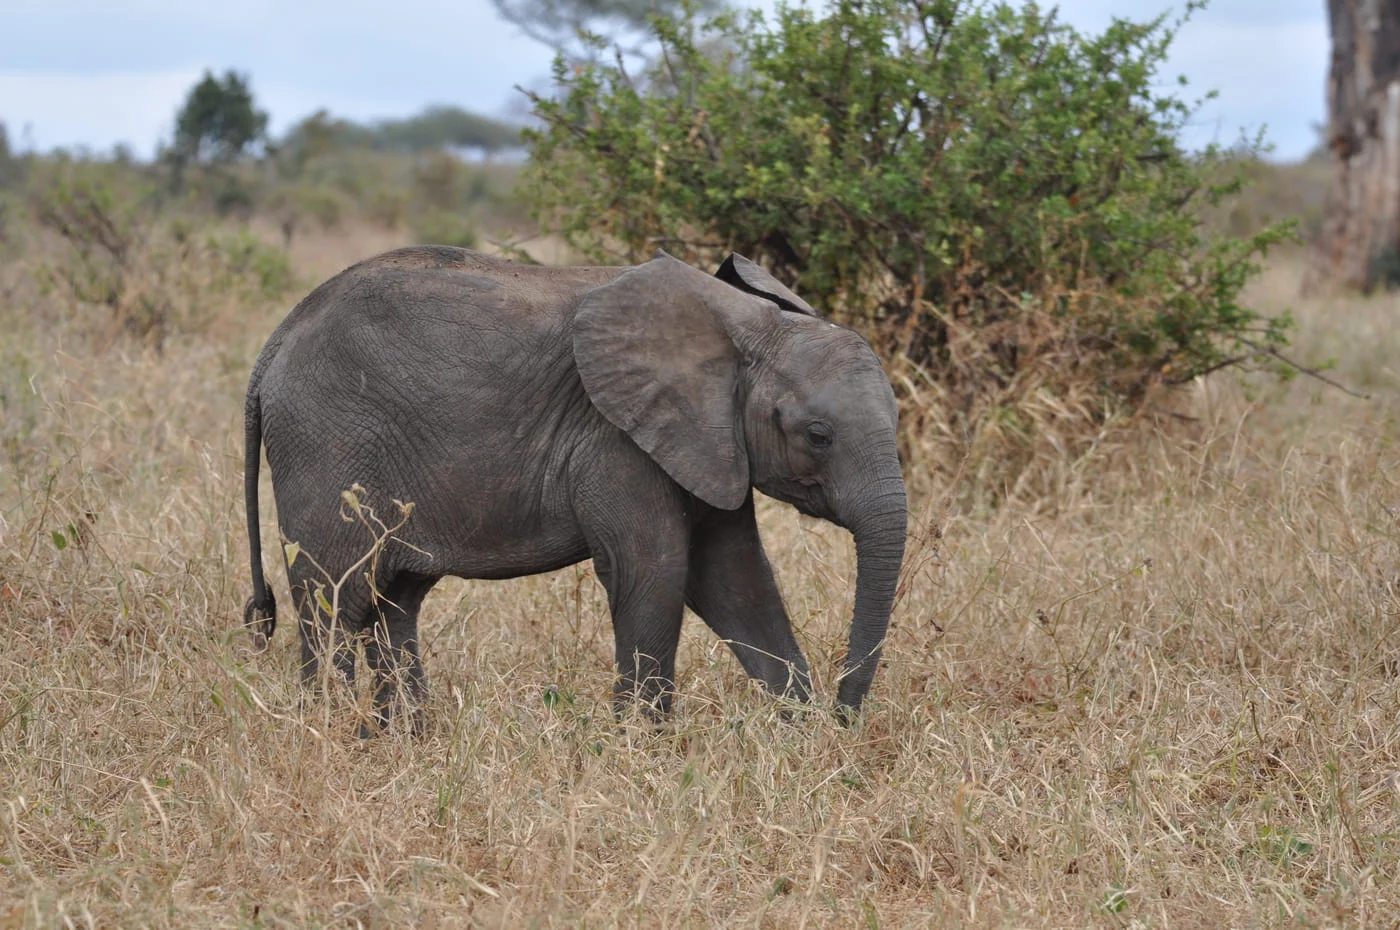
(1116, 900)
(1281, 845)
(60, 542)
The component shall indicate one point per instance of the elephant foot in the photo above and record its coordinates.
(383, 719)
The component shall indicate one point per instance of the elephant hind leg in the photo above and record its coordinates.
(392, 650)
(327, 622)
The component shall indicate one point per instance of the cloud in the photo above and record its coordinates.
(96, 111)
(98, 72)
(1267, 59)
(1267, 74)
(102, 71)
(1096, 14)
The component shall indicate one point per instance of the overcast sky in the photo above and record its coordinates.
(96, 73)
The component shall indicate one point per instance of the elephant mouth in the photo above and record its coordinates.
(806, 495)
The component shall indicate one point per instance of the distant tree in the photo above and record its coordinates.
(1359, 245)
(436, 128)
(8, 174)
(218, 121)
(560, 23)
(316, 135)
(9, 165)
(441, 127)
(313, 137)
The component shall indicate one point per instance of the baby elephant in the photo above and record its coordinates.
(538, 416)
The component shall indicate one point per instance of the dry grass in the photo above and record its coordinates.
(1164, 696)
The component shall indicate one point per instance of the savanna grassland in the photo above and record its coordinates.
(1163, 691)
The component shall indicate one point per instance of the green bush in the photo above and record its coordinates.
(101, 223)
(429, 193)
(121, 265)
(240, 261)
(1272, 191)
(444, 227)
(997, 200)
(11, 166)
(299, 204)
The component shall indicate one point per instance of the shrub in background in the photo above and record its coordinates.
(1000, 202)
(121, 265)
(443, 227)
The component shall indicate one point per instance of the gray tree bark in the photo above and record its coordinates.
(1359, 245)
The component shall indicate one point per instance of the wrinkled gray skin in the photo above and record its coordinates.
(539, 416)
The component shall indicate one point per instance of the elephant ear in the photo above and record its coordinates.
(750, 276)
(657, 354)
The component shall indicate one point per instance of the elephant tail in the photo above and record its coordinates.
(260, 613)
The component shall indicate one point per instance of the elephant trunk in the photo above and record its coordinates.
(879, 531)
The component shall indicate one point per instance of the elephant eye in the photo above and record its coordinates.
(819, 435)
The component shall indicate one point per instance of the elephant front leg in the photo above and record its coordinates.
(646, 597)
(732, 588)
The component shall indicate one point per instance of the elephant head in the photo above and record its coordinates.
(734, 382)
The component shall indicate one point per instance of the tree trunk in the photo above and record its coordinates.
(1359, 246)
